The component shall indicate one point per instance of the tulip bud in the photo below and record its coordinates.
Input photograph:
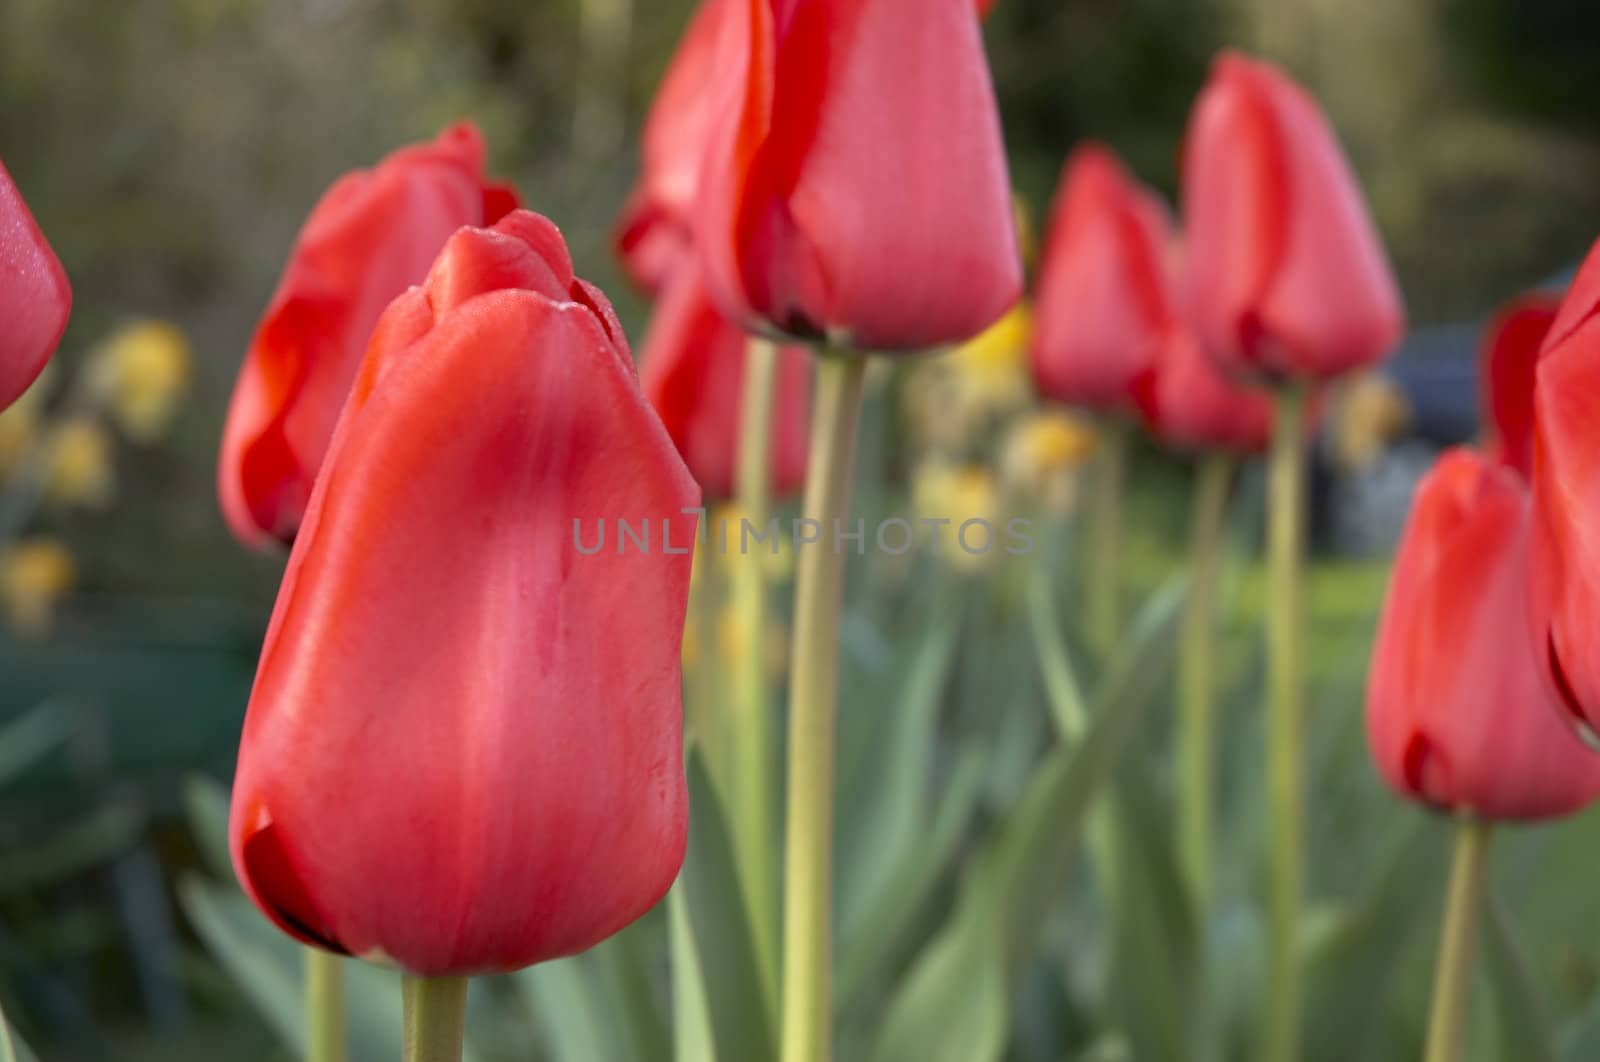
(693, 374)
(1104, 303)
(1566, 516)
(35, 297)
(855, 186)
(370, 237)
(1288, 275)
(1458, 715)
(1188, 403)
(463, 751)
(653, 236)
(1509, 357)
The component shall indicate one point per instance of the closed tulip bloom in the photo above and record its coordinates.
(693, 374)
(1566, 501)
(1104, 305)
(372, 235)
(463, 751)
(1290, 278)
(1188, 403)
(653, 235)
(1510, 354)
(1458, 714)
(35, 297)
(855, 185)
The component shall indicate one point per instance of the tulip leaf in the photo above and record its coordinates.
(33, 735)
(1350, 968)
(1580, 1039)
(205, 802)
(1524, 1030)
(1055, 663)
(573, 1010)
(720, 924)
(103, 834)
(886, 824)
(12, 1049)
(261, 960)
(886, 930)
(957, 993)
(953, 1006)
(693, 1037)
(1029, 866)
(1152, 993)
(597, 1004)
(269, 968)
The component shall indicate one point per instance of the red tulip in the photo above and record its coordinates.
(694, 366)
(1566, 498)
(653, 235)
(1103, 305)
(1188, 403)
(1510, 354)
(855, 184)
(35, 297)
(1290, 278)
(372, 235)
(463, 751)
(1458, 715)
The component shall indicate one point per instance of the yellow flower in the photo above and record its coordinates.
(34, 574)
(140, 373)
(19, 425)
(994, 365)
(949, 399)
(1371, 413)
(690, 649)
(1041, 457)
(767, 545)
(18, 428)
(1027, 237)
(79, 470)
(957, 508)
(733, 638)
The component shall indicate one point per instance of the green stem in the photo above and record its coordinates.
(1104, 569)
(813, 692)
(1196, 677)
(435, 1018)
(1452, 978)
(754, 821)
(325, 1040)
(1285, 722)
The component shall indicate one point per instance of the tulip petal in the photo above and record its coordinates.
(1510, 354)
(373, 234)
(1458, 713)
(1566, 535)
(1103, 303)
(856, 186)
(35, 298)
(1290, 277)
(694, 376)
(464, 747)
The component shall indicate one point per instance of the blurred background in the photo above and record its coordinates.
(170, 151)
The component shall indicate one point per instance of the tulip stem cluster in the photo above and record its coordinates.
(813, 694)
(435, 1018)
(1452, 978)
(1105, 535)
(1196, 680)
(325, 1036)
(1285, 727)
(753, 819)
